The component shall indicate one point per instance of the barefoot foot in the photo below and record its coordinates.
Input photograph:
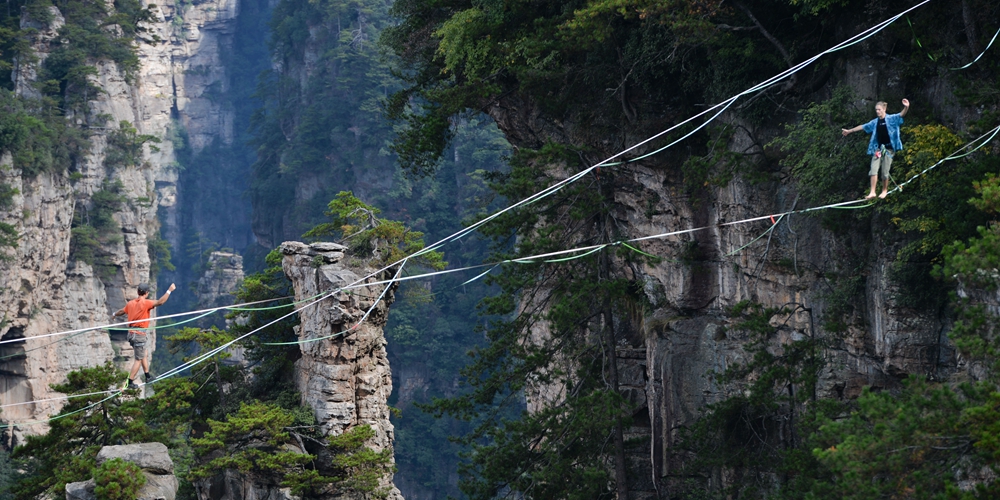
(883, 195)
(870, 195)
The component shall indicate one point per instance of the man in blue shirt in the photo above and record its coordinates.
(884, 130)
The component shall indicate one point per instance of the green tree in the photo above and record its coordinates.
(94, 227)
(549, 452)
(265, 442)
(387, 241)
(117, 479)
(254, 441)
(97, 417)
(125, 146)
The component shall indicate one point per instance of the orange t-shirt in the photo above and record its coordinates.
(137, 311)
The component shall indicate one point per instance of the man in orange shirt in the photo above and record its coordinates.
(138, 315)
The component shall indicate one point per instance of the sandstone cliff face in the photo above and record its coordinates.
(41, 290)
(345, 379)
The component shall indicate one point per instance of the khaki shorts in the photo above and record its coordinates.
(881, 164)
(138, 343)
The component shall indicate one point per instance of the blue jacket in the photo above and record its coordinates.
(892, 122)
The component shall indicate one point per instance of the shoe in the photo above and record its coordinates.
(149, 376)
(133, 385)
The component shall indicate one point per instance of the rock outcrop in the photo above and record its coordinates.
(152, 458)
(343, 373)
(223, 274)
(345, 378)
(41, 289)
(687, 330)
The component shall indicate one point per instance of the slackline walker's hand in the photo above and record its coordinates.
(906, 103)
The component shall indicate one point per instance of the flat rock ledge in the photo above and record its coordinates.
(152, 458)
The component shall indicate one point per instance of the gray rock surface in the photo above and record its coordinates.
(231, 485)
(41, 290)
(687, 331)
(154, 461)
(152, 457)
(345, 379)
(223, 275)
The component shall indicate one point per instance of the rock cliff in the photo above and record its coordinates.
(688, 332)
(42, 289)
(152, 458)
(345, 378)
(224, 274)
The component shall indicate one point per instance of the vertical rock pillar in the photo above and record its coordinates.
(345, 378)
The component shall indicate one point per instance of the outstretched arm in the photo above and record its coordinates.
(846, 131)
(166, 296)
(906, 107)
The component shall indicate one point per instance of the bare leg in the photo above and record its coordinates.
(145, 364)
(885, 189)
(135, 368)
(871, 194)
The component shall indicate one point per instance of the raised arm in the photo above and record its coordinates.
(906, 107)
(166, 296)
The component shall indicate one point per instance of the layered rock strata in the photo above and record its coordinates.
(41, 289)
(345, 377)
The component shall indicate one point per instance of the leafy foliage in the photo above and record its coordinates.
(257, 433)
(125, 146)
(386, 240)
(117, 479)
(547, 452)
(257, 441)
(358, 467)
(327, 127)
(758, 430)
(37, 136)
(95, 228)
(86, 38)
(68, 451)
(592, 61)
(159, 254)
(827, 167)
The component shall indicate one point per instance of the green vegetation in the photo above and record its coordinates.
(67, 453)
(252, 413)
(95, 228)
(548, 452)
(591, 70)
(827, 167)
(159, 254)
(387, 241)
(117, 479)
(125, 146)
(37, 135)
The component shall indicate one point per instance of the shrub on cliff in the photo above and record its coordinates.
(266, 442)
(117, 479)
(387, 241)
(93, 418)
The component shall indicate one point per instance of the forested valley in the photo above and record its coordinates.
(428, 249)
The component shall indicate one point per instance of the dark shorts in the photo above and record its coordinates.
(138, 343)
